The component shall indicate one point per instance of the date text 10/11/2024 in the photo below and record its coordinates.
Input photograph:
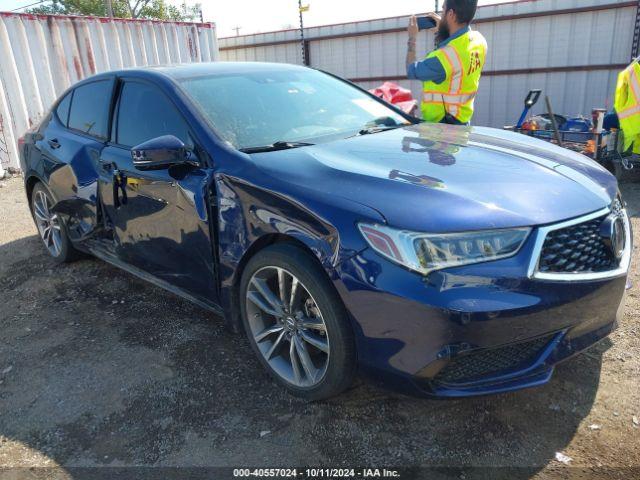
(316, 473)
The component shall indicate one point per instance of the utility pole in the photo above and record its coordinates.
(237, 29)
(635, 46)
(437, 6)
(108, 6)
(302, 45)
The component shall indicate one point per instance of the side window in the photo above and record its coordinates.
(63, 108)
(146, 113)
(90, 108)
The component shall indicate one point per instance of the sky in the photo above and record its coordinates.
(253, 16)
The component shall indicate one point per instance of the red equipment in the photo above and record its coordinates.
(396, 95)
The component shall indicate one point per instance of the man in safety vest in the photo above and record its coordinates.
(627, 105)
(450, 73)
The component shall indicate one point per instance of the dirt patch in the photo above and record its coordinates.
(98, 368)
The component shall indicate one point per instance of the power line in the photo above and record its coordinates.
(30, 5)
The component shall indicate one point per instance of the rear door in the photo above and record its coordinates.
(159, 217)
(70, 148)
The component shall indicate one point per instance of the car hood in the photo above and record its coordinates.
(439, 178)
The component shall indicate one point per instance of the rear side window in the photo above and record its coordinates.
(90, 108)
(146, 113)
(63, 108)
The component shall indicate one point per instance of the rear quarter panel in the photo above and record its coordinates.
(70, 172)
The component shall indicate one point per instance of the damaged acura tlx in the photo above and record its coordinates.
(337, 231)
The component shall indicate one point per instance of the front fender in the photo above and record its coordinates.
(247, 213)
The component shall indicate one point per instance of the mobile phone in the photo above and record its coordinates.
(425, 23)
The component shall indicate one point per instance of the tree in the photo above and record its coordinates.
(151, 9)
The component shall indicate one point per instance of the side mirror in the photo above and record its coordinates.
(160, 152)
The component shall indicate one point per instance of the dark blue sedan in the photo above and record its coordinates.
(338, 232)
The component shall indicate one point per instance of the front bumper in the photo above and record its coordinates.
(413, 331)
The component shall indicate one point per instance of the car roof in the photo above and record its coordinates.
(189, 70)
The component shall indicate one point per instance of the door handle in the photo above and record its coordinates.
(53, 143)
(119, 182)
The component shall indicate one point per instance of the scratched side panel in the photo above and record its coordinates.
(253, 206)
(70, 173)
(43, 55)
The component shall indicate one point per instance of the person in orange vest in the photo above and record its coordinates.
(450, 73)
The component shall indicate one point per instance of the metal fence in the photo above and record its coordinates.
(42, 55)
(571, 49)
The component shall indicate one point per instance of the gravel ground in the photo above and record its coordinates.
(98, 368)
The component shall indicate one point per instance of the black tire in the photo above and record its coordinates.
(67, 253)
(341, 363)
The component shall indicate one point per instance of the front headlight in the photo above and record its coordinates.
(424, 252)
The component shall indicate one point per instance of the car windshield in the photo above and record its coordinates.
(255, 109)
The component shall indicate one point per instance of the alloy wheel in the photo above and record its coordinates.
(287, 326)
(48, 223)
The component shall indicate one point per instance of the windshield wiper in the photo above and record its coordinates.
(280, 145)
(376, 129)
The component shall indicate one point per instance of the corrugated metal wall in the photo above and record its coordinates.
(572, 49)
(42, 55)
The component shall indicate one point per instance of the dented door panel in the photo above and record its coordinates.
(70, 165)
(160, 221)
(68, 160)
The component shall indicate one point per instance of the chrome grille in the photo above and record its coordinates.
(578, 248)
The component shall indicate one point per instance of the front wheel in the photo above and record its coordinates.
(296, 323)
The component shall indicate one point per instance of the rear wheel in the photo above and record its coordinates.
(296, 323)
(51, 227)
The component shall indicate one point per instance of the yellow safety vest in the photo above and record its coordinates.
(462, 59)
(627, 105)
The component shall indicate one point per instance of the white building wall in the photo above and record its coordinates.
(42, 55)
(571, 49)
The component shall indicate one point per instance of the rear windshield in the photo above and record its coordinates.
(260, 108)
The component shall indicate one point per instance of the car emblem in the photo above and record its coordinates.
(290, 323)
(613, 235)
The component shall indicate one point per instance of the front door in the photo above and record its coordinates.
(159, 218)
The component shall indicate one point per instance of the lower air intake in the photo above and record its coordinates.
(474, 366)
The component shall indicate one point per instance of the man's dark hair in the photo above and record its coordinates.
(465, 10)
